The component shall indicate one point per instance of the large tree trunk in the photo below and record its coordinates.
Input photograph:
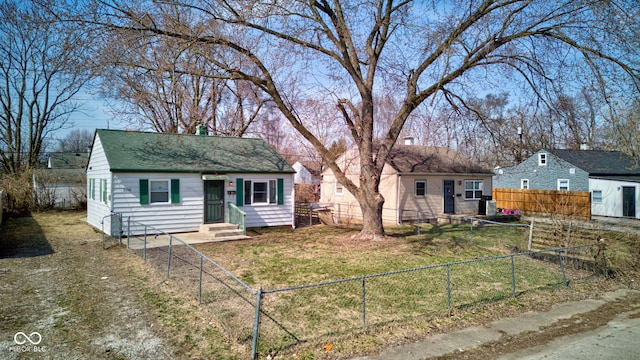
(371, 202)
(371, 207)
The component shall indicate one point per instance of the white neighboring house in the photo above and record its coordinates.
(303, 175)
(176, 182)
(62, 184)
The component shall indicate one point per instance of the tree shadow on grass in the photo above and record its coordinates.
(22, 237)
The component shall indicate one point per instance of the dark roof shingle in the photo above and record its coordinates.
(429, 159)
(599, 162)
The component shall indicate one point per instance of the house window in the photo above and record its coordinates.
(542, 159)
(159, 191)
(596, 196)
(339, 189)
(260, 192)
(421, 187)
(524, 184)
(563, 184)
(473, 189)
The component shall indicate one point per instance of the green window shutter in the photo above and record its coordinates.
(239, 192)
(104, 191)
(144, 191)
(280, 191)
(175, 191)
(248, 199)
(92, 189)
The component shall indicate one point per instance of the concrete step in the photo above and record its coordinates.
(207, 228)
(226, 233)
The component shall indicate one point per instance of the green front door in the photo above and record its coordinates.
(213, 201)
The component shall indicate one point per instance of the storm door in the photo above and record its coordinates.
(449, 197)
(213, 201)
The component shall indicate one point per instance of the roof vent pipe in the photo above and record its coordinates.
(201, 130)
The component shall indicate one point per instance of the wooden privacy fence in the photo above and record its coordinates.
(575, 204)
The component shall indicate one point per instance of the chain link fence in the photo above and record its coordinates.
(267, 321)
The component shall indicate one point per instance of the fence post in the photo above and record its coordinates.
(256, 325)
(513, 275)
(364, 304)
(200, 282)
(169, 260)
(564, 275)
(533, 221)
(471, 230)
(120, 229)
(128, 230)
(144, 247)
(448, 287)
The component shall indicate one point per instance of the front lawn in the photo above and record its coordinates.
(283, 261)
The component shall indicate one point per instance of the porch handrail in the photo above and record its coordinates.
(237, 216)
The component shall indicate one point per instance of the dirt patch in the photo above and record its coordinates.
(58, 282)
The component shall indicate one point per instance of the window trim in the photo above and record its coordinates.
(168, 182)
(593, 197)
(474, 190)
(522, 184)
(274, 192)
(338, 186)
(563, 180)
(542, 159)
(415, 188)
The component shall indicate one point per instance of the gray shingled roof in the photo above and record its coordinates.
(599, 162)
(429, 159)
(133, 151)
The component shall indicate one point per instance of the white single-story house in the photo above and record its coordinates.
(176, 182)
(417, 182)
(612, 178)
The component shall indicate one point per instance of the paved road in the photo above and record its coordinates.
(618, 339)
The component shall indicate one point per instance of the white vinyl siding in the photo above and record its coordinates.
(269, 214)
(98, 208)
(183, 216)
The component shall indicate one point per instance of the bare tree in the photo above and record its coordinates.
(77, 140)
(168, 84)
(424, 50)
(623, 130)
(41, 70)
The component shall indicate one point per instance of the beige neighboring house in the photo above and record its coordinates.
(418, 182)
